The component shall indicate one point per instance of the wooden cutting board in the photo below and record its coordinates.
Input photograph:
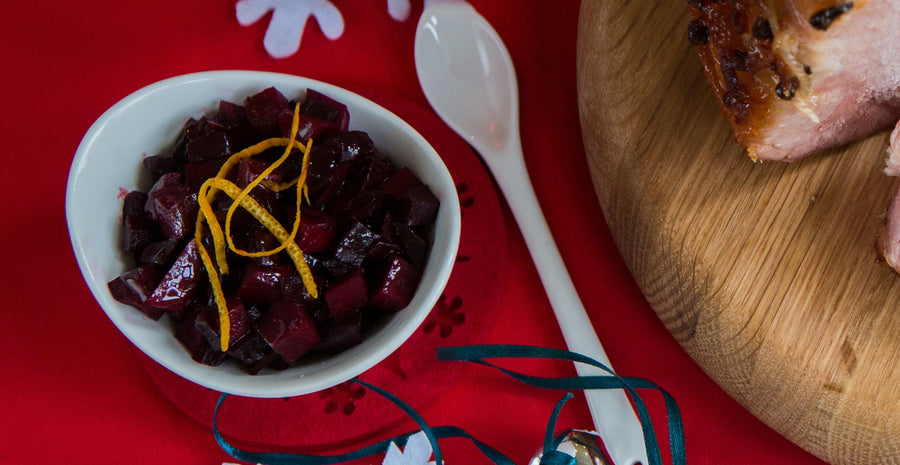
(766, 273)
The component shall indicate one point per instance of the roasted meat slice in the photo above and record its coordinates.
(888, 241)
(796, 76)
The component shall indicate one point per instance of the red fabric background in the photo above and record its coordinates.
(75, 391)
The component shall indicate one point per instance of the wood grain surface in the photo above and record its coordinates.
(766, 273)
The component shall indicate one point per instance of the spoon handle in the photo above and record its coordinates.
(613, 415)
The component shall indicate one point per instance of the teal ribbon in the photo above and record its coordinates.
(477, 354)
(433, 434)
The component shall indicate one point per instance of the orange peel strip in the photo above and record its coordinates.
(224, 320)
(266, 219)
(207, 193)
(295, 127)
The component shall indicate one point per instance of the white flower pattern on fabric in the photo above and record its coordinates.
(417, 452)
(289, 19)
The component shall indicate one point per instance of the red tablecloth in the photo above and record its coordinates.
(73, 388)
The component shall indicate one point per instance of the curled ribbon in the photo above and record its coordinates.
(478, 354)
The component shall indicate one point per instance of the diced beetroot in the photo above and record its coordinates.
(339, 335)
(133, 204)
(133, 287)
(325, 108)
(347, 294)
(351, 145)
(137, 232)
(317, 229)
(262, 240)
(400, 183)
(232, 116)
(271, 360)
(262, 284)
(307, 127)
(396, 287)
(294, 290)
(325, 174)
(366, 207)
(207, 322)
(196, 173)
(419, 206)
(414, 246)
(192, 340)
(374, 172)
(354, 244)
(159, 253)
(250, 349)
(263, 109)
(249, 169)
(210, 146)
(173, 205)
(196, 129)
(177, 152)
(289, 330)
(158, 165)
(181, 282)
(384, 250)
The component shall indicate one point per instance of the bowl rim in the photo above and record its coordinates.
(441, 259)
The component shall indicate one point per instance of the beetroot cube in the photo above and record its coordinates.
(384, 250)
(396, 286)
(159, 253)
(192, 340)
(133, 203)
(181, 282)
(307, 127)
(355, 244)
(374, 172)
(263, 109)
(173, 205)
(196, 129)
(158, 165)
(249, 169)
(289, 330)
(366, 206)
(419, 206)
(137, 232)
(339, 335)
(294, 290)
(325, 174)
(262, 284)
(232, 116)
(196, 173)
(261, 240)
(400, 183)
(250, 349)
(347, 294)
(133, 287)
(414, 246)
(215, 145)
(207, 322)
(353, 145)
(325, 108)
(317, 230)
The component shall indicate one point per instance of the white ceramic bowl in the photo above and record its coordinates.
(144, 123)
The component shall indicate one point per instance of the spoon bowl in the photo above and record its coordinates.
(486, 77)
(469, 79)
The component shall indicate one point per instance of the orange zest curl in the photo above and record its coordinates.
(241, 198)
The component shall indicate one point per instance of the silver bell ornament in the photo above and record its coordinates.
(576, 448)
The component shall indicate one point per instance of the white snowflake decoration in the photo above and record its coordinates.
(417, 452)
(289, 19)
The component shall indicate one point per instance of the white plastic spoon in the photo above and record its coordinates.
(468, 77)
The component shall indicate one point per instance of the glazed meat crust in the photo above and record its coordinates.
(793, 77)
